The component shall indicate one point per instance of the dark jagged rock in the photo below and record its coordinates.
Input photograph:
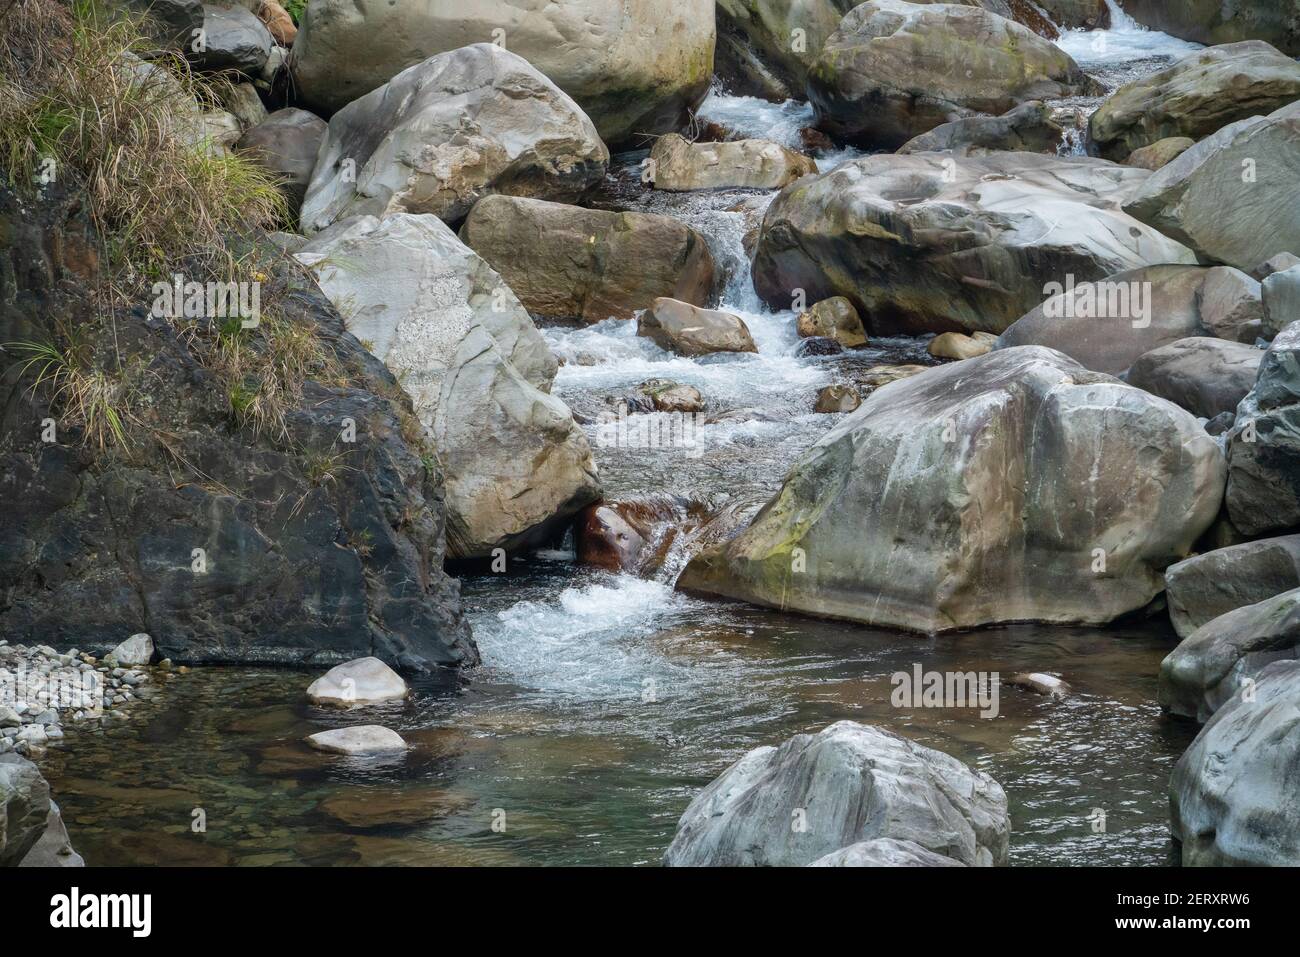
(315, 550)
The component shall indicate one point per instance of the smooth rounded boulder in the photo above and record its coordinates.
(1014, 486)
(1107, 325)
(1160, 153)
(1231, 305)
(1232, 197)
(233, 39)
(354, 684)
(448, 131)
(886, 74)
(690, 331)
(680, 165)
(477, 370)
(1203, 587)
(367, 739)
(849, 783)
(1196, 96)
(1264, 444)
(933, 242)
(835, 318)
(1205, 376)
(286, 143)
(635, 66)
(1232, 794)
(885, 852)
(1029, 128)
(589, 264)
(1217, 660)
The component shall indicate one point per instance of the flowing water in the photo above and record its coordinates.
(606, 701)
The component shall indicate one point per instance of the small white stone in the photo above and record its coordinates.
(364, 739)
(355, 683)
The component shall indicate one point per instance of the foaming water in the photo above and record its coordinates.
(750, 117)
(1126, 50)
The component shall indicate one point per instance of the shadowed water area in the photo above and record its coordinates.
(607, 701)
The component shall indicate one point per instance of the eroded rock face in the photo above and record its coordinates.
(1215, 661)
(884, 76)
(1203, 375)
(286, 143)
(1196, 96)
(1212, 21)
(936, 243)
(448, 131)
(1205, 200)
(1232, 795)
(567, 262)
(1108, 324)
(1203, 587)
(635, 66)
(24, 808)
(741, 164)
(854, 783)
(314, 551)
(1029, 128)
(884, 852)
(1264, 444)
(476, 368)
(690, 331)
(979, 492)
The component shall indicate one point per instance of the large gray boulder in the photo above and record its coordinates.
(1232, 197)
(1231, 305)
(1196, 96)
(1014, 486)
(1107, 325)
(635, 66)
(875, 81)
(1028, 128)
(516, 463)
(1280, 299)
(589, 264)
(1203, 587)
(934, 243)
(1205, 376)
(24, 808)
(1214, 662)
(1264, 444)
(448, 131)
(817, 794)
(286, 143)
(233, 39)
(1214, 21)
(1232, 795)
(171, 23)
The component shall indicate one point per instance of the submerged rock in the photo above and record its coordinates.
(568, 262)
(934, 243)
(360, 740)
(818, 794)
(365, 681)
(1203, 587)
(1220, 657)
(1009, 487)
(1232, 795)
(1196, 96)
(448, 131)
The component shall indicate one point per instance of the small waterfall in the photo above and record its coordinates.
(1121, 22)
